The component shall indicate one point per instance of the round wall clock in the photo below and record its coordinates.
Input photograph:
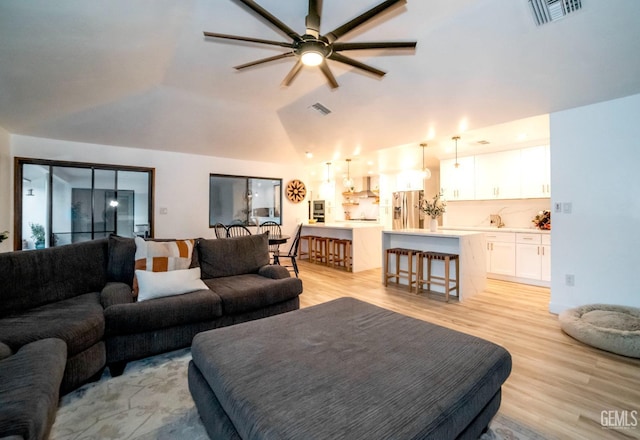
(296, 191)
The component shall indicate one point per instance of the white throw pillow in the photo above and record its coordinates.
(175, 282)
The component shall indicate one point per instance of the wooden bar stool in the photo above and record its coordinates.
(309, 240)
(408, 273)
(320, 250)
(450, 284)
(340, 253)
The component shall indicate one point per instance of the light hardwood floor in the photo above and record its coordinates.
(558, 386)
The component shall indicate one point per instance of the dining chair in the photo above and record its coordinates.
(220, 230)
(237, 231)
(291, 255)
(274, 231)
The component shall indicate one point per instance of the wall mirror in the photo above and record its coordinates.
(244, 200)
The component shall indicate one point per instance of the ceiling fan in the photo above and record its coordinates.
(312, 48)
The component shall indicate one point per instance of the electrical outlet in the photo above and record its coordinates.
(566, 207)
(557, 207)
(570, 280)
(163, 211)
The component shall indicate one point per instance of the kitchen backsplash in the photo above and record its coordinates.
(514, 213)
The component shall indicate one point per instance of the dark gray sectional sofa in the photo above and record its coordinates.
(81, 295)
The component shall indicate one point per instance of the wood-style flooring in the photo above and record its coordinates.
(558, 386)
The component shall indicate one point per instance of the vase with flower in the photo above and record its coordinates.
(542, 220)
(434, 209)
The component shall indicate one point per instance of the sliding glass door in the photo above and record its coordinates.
(61, 203)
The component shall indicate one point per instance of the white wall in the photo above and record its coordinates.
(6, 195)
(181, 180)
(595, 158)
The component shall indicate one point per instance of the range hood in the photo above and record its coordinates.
(366, 192)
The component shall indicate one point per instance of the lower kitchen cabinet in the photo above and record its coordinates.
(501, 249)
(533, 256)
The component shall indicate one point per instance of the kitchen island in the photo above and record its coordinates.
(469, 245)
(365, 240)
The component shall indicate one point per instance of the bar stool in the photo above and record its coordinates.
(408, 273)
(309, 240)
(450, 284)
(319, 251)
(340, 253)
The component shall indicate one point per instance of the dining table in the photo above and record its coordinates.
(278, 239)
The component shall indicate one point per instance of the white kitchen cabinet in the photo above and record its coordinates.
(458, 183)
(536, 174)
(533, 257)
(497, 175)
(501, 250)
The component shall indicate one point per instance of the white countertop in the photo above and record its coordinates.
(490, 229)
(344, 225)
(449, 233)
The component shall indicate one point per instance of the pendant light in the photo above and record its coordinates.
(426, 172)
(455, 138)
(328, 172)
(348, 182)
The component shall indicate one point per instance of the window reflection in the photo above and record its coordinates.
(244, 200)
(74, 202)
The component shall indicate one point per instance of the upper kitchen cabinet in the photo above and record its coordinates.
(497, 175)
(458, 183)
(536, 172)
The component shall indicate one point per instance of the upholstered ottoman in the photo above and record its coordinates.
(345, 370)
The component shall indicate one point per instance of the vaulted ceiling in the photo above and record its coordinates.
(141, 74)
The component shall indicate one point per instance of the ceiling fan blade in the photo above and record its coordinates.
(264, 60)
(324, 67)
(375, 45)
(313, 18)
(342, 59)
(249, 39)
(361, 19)
(271, 19)
(292, 74)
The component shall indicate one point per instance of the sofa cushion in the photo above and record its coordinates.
(5, 351)
(122, 251)
(77, 321)
(35, 278)
(29, 389)
(233, 256)
(199, 306)
(243, 293)
(174, 282)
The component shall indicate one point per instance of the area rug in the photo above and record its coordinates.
(151, 401)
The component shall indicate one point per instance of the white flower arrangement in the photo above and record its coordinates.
(435, 208)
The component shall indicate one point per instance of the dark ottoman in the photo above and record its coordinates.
(345, 369)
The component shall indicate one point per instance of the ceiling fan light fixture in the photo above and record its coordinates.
(312, 58)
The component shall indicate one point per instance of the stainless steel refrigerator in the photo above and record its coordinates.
(406, 210)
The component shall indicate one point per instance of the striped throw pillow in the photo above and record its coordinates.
(162, 256)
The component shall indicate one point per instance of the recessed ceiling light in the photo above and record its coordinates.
(309, 154)
(483, 142)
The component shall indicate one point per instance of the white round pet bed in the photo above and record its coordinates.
(608, 327)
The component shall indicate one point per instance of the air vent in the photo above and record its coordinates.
(545, 11)
(321, 109)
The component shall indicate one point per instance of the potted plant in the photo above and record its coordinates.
(4, 235)
(434, 209)
(38, 234)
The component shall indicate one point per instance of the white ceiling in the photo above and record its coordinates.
(141, 74)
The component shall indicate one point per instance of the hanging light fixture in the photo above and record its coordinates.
(426, 172)
(455, 138)
(328, 172)
(30, 190)
(348, 182)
